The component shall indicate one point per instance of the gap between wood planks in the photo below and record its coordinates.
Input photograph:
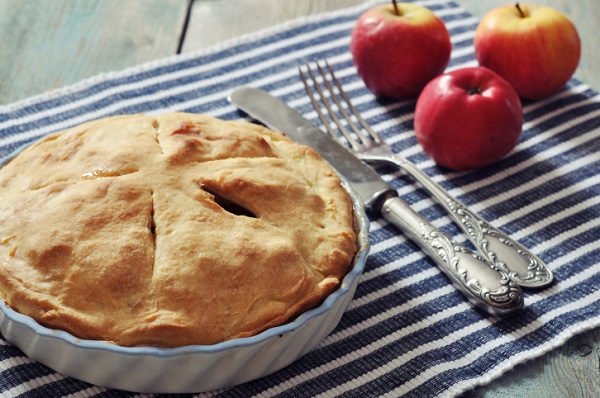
(186, 22)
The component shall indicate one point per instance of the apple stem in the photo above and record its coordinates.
(520, 11)
(396, 7)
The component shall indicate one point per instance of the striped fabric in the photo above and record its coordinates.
(407, 332)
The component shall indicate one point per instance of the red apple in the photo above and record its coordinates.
(536, 49)
(397, 54)
(468, 118)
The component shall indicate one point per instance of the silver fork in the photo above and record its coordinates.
(526, 269)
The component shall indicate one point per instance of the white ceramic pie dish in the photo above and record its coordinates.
(193, 368)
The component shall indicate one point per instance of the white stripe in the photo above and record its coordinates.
(390, 313)
(394, 287)
(560, 95)
(415, 149)
(88, 392)
(32, 384)
(464, 36)
(415, 256)
(543, 294)
(541, 179)
(563, 109)
(526, 126)
(290, 73)
(396, 264)
(391, 123)
(554, 265)
(543, 136)
(578, 140)
(14, 361)
(387, 243)
(388, 124)
(378, 294)
(400, 263)
(357, 354)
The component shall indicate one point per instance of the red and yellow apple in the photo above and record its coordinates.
(398, 48)
(468, 118)
(536, 49)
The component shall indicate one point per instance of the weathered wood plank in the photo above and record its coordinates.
(214, 21)
(53, 43)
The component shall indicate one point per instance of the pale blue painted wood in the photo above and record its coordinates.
(53, 43)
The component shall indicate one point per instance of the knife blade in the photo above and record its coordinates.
(484, 284)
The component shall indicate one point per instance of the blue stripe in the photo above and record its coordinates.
(51, 389)
(9, 351)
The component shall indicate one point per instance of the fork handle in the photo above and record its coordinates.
(526, 269)
(484, 284)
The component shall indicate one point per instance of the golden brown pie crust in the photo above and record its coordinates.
(124, 229)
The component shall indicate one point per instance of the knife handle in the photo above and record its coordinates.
(485, 284)
(525, 268)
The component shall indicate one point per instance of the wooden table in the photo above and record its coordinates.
(46, 44)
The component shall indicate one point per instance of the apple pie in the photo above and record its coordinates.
(170, 230)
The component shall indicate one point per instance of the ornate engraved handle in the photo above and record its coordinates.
(486, 284)
(525, 268)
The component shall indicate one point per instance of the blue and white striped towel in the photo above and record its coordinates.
(407, 332)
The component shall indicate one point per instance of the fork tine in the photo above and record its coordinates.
(341, 108)
(315, 104)
(353, 143)
(354, 111)
(335, 98)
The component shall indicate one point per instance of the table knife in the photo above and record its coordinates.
(484, 284)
